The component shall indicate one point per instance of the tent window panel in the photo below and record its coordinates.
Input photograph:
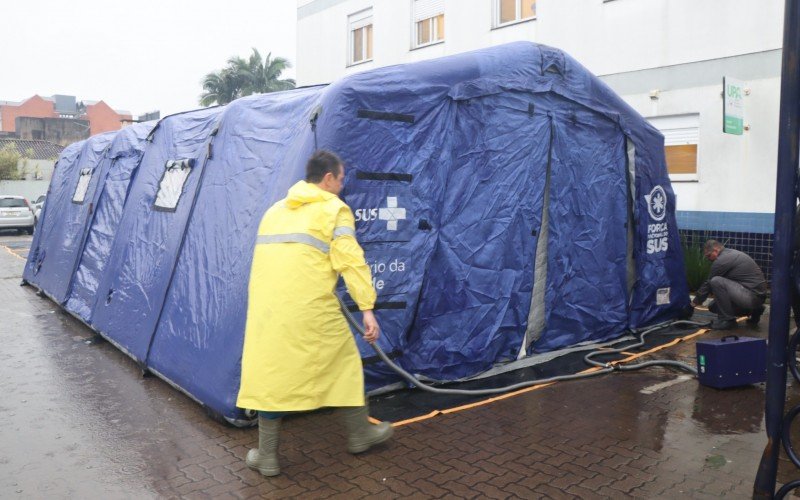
(170, 188)
(360, 29)
(682, 159)
(83, 186)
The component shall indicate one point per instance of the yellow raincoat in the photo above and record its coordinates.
(299, 353)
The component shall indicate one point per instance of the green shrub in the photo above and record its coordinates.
(697, 266)
(9, 157)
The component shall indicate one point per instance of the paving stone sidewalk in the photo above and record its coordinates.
(80, 421)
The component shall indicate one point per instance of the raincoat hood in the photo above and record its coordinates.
(304, 192)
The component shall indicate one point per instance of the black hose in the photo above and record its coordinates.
(656, 362)
(603, 367)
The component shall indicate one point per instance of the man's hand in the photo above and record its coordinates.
(371, 328)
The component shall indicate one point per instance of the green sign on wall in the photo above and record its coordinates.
(733, 106)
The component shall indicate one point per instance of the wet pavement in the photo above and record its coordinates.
(80, 421)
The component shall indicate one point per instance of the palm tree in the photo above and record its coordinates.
(220, 88)
(242, 77)
(265, 74)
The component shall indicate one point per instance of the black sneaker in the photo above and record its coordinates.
(756, 316)
(723, 324)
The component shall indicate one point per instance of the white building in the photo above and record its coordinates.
(666, 58)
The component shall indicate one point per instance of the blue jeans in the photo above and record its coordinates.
(273, 415)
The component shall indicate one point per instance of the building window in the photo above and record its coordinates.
(360, 28)
(512, 11)
(681, 138)
(428, 22)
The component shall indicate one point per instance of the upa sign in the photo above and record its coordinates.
(733, 106)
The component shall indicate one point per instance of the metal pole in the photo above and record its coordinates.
(764, 486)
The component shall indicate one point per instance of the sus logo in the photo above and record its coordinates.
(392, 213)
(657, 203)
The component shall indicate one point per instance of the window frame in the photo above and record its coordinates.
(169, 166)
(686, 122)
(85, 173)
(360, 20)
(434, 27)
(518, 19)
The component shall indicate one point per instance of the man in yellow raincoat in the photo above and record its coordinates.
(299, 353)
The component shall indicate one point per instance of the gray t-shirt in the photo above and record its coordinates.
(736, 266)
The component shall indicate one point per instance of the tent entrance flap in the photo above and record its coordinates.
(631, 179)
(587, 271)
(536, 316)
(475, 300)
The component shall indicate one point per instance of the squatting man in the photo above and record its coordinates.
(299, 353)
(737, 283)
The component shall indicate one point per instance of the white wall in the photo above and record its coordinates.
(735, 173)
(322, 40)
(681, 47)
(606, 37)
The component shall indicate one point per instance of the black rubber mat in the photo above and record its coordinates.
(405, 404)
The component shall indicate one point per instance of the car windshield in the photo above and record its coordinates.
(40, 199)
(12, 202)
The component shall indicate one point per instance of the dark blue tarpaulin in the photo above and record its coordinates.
(69, 208)
(508, 202)
(50, 217)
(142, 259)
(118, 166)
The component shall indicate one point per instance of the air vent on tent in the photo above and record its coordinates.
(383, 176)
(553, 61)
(385, 115)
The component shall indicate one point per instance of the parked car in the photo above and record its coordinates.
(38, 205)
(16, 212)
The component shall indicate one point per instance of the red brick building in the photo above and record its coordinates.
(101, 117)
(36, 107)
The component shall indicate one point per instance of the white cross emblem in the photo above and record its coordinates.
(391, 214)
(657, 203)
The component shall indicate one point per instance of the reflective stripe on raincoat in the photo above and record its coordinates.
(299, 353)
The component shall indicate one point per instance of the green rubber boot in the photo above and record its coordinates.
(361, 434)
(265, 458)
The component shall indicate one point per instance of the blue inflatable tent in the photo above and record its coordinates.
(116, 169)
(68, 209)
(507, 200)
(49, 219)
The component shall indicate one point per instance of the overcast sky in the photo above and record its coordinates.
(139, 55)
